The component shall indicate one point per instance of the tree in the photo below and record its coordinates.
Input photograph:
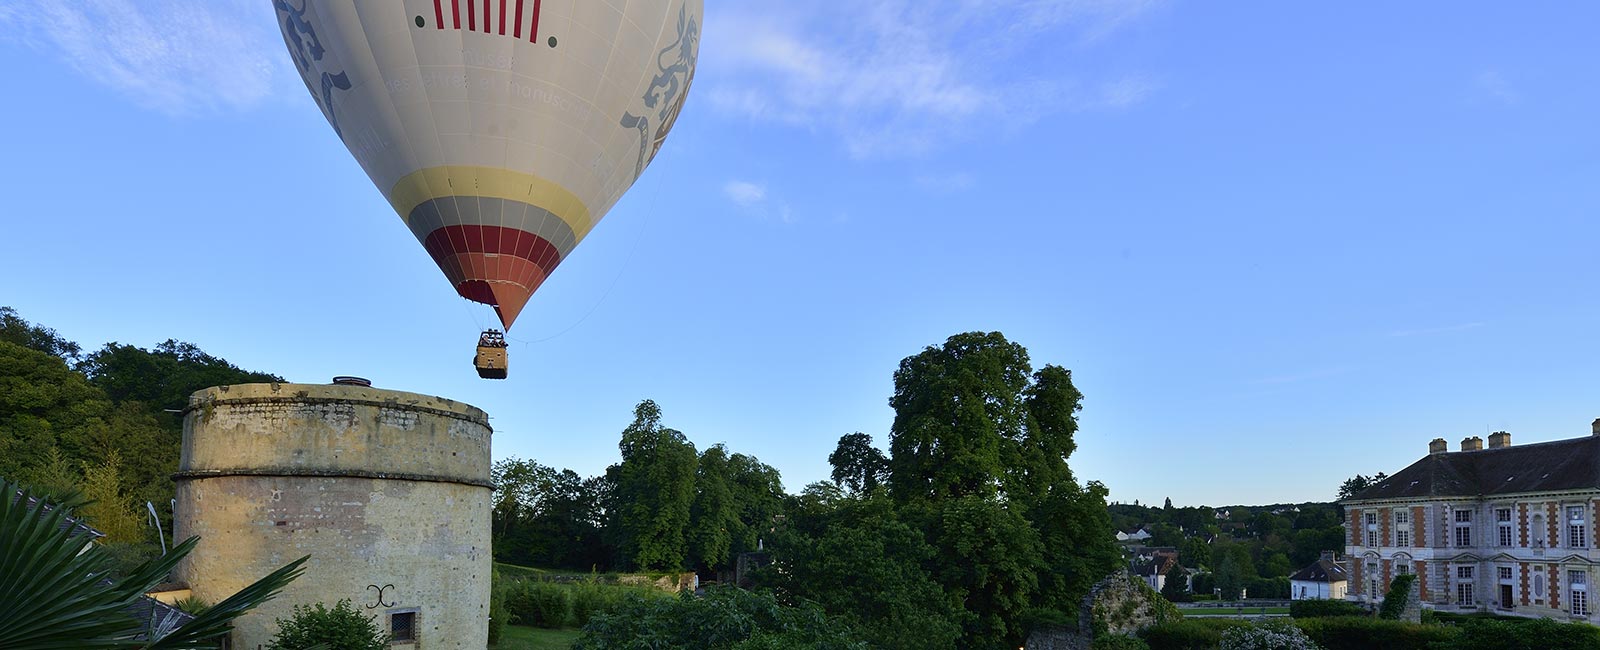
(654, 492)
(865, 566)
(714, 517)
(1194, 552)
(109, 509)
(1168, 505)
(857, 465)
(36, 337)
(58, 596)
(165, 377)
(1357, 483)
(340, 628)
(979, 448)
(1176, 588)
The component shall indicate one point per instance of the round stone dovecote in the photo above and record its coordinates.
(387, 492)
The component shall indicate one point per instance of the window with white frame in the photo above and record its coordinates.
(1504, 572)
(1402, 528)
(1536, 528)
(1502, 520)
(1464, 595)
(1578, 592)
(1577, 528)
(1463, 528)
(1371, 520)
(1374, 585)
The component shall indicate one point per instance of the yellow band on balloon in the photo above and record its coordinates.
(432, 183)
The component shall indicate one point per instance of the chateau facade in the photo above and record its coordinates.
(1509, 529)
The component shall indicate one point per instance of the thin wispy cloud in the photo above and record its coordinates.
(1435, 330)
(1493, 82)
(744, 193)
(897, 77)
(178, 58)
(752, 200)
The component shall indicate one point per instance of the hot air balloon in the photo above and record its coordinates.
(501, 131)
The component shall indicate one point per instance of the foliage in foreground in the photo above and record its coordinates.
(725, 618)
(340, 628)
(56, 595)
(1274, 635)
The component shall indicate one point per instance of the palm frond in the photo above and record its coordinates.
(203, 631)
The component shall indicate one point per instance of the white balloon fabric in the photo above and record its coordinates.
(501, 131)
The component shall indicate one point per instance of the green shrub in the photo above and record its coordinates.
(1367, 633)
(1394, 602)
(499, 614)
(340, 628)
(1523, 634)
(192, 605)
(540, 604)
(1323, 608)
(1189, 633)
(725, 618)
(1118, 642)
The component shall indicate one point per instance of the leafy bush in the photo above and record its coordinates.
(1275, 635)
(499, 614)
(556, 605)
(1118, 642)
(1189, 633)
(340, 628)
(725, 618)
(1268, 587)
(1367, 633)
(192, 605)
(1394, 602)
(1325, 608)
(1523, 634)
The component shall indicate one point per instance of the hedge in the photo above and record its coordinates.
(1323, 608)
(1189, 634)
(1367, 633)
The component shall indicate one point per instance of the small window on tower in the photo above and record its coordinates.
(403, 625)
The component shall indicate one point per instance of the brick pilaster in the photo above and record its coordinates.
(1388, 575)
(1553, 586)
(1552, 522)
(1422, 580)
(1419, 527)
(1385, 520)
(1355, 528)
(1522, 526)
(1522, 574)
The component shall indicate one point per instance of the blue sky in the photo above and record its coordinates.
(1277, 244)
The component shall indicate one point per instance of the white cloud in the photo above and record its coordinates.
(1494, 83)
(745, 193)
(897, 77)
(175, 57)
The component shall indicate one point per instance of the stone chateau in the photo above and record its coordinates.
(1509, 529)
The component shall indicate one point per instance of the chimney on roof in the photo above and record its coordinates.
(1438, 446)
(1499, 440)
(1331, 556)
(1472, 444)
(1596, 426)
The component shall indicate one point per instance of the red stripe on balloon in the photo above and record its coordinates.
(533, 32)
(499, 240)
(516, 29)
(502, 17)
(455, 12)
(472, 16)
(438, 13)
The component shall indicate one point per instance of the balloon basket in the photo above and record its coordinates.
(491, 358)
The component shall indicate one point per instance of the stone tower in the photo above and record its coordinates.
(388, 492)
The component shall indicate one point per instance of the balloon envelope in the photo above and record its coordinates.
(500, 130)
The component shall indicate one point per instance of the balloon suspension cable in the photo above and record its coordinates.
(638, 238)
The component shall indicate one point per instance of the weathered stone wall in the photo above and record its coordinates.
(387, 492)
(1118, 605)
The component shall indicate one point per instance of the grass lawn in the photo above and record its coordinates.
(517, 637)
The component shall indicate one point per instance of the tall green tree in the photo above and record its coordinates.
(979, 447)
(654, 492)
(857, 465)
(714, 517)
(36, 337)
